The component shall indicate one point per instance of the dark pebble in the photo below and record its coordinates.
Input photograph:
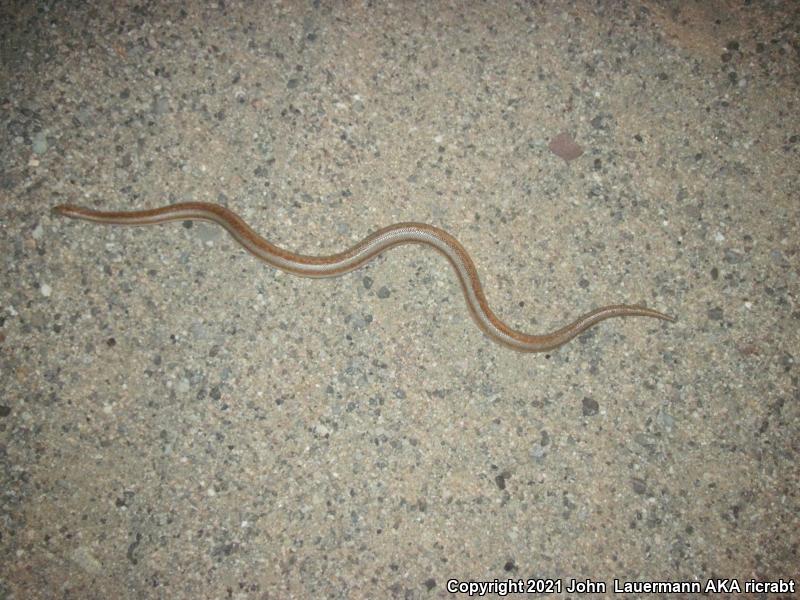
(590, 407)
(638, 486)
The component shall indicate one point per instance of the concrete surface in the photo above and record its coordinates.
(179, 420)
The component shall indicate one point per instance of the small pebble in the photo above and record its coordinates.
(83, 557)
(564, 146)
(590, 407)
(39, 143)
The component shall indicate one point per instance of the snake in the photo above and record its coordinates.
(360, 254)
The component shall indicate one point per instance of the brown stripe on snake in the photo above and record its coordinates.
(360, 254)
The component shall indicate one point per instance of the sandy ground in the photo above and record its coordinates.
(179, 420)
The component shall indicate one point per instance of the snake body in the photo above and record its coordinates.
(360, 254)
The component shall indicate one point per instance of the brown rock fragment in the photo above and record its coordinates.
(565, 146)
